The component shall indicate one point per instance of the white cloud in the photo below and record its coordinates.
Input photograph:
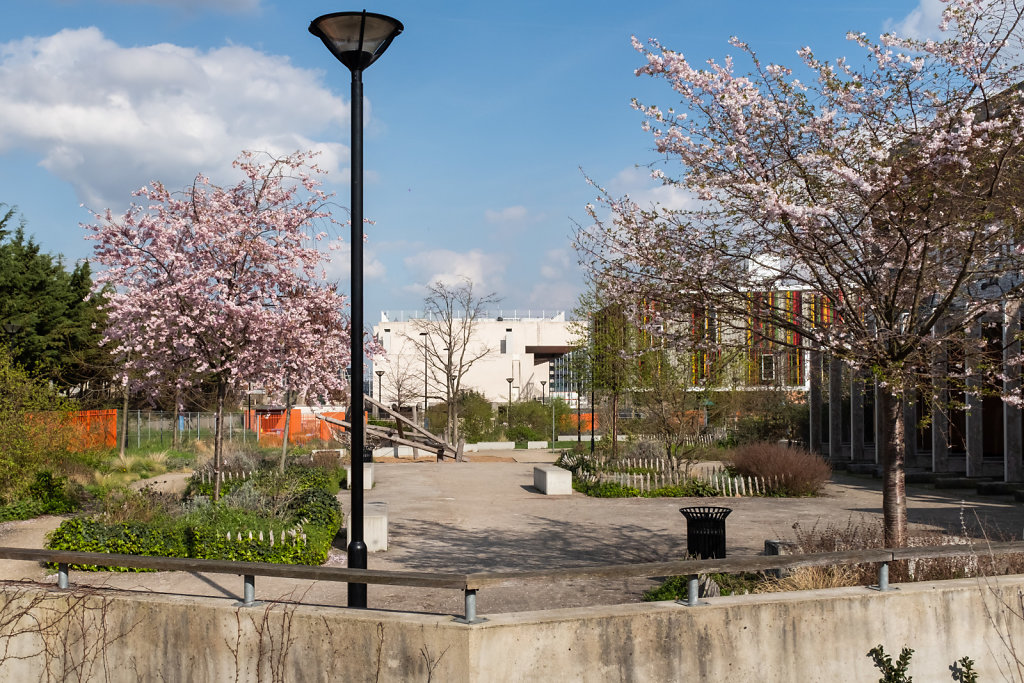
(223, 5)
(511, 213)
(340, 265)
(108, 119)
(560, 287)
(921, 23)
(451, 267)
(647, 191)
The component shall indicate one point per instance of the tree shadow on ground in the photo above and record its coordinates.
(542, 543)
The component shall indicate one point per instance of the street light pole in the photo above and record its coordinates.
(424, 335)
(508, 411)
(380, 396)
(356, 39)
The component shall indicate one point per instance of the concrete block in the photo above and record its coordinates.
(367, 475)
(494, 446)
(552, 481)
(375, 527)
(536, 444)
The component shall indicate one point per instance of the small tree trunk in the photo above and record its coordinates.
(218, 439)
(615, 424)
(124, 422)
(287, 426)
(175, 432)
(894, 488)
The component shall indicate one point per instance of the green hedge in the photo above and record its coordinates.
(309, 518)
(692, 488)
(164, 539)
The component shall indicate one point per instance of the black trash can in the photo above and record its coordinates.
(367, 454)
(705, 531)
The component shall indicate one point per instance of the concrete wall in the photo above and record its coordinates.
(810, 636)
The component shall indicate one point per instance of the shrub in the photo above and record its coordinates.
(789, 471)
(677, 587)
(317, 506)
(164, 539)
(691, 488)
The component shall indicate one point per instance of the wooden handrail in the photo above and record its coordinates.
(470, 583)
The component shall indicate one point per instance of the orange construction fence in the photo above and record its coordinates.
(302, 428)
(586, 421)
(94, 429)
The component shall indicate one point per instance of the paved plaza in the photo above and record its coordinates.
(486, 515)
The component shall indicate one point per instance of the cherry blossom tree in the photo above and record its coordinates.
(881, 193)
(224, 285)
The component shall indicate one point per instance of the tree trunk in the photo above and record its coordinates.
(218, 440)
(894, 489)
(615, 424)
(175, 432)
(287, 426)
(124, 423)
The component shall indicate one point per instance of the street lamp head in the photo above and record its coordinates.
(356, 39)
(379, 372)
(510, 379)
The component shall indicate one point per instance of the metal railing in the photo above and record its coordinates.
(470, 583)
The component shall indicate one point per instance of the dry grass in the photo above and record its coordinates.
(813, 578)
(790, 471)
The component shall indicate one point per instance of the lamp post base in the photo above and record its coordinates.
(357, 560)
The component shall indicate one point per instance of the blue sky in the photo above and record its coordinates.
(480, 116)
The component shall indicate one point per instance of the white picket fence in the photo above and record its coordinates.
(663, 472)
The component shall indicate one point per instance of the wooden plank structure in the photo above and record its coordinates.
(407, 433)
(471, 582)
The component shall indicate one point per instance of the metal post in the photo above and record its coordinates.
(357, 553)
(249, 591)
(62, 575)
(470, 605)
(883, 577)
(469, 614)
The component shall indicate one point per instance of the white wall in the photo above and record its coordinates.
(506, 342)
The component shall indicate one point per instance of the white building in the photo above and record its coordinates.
(518, 347)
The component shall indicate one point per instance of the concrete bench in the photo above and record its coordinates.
(375, 527)
(552, 481)
(367, 476)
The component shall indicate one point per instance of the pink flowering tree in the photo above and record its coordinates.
(224, 285)
(884, 190)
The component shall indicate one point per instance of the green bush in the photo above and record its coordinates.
(272, 517)
(319, 507)
(677, 587)
(605, 489)
(691, 488)
(23, 509)
(165, 539)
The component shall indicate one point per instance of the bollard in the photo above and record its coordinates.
(470, 609)
(692, 593)
(249, 590)
(883, 577)
(62, 575)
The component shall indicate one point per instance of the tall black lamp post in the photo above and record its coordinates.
(356, 39)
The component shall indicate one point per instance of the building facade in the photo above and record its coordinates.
(519, 359)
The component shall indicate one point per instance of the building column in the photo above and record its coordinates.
(910, 427)
(856, 415)
(835, 408)
(940, 400)
(1013, 467)
(974, 424)
(814, 400)
(879, 441)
